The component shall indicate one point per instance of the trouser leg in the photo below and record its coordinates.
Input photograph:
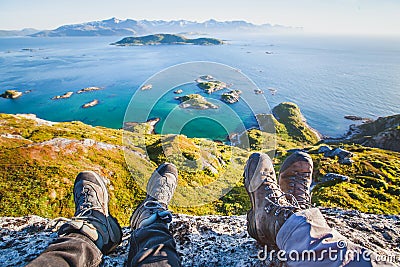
(70, 250)
(153, 245)
(307, 233)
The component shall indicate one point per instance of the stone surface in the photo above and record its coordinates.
(201, 240)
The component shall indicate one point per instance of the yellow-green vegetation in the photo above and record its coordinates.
(293, 124)
(374, 184)
(210, 87)
(39, 162)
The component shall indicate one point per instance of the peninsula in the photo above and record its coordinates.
(166, 39)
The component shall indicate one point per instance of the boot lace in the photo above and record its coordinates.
(277, 199)
(86, 204)
(298, 182)
(156, 207)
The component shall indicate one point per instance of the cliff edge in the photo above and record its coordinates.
(201, 240)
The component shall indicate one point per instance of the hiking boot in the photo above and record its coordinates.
(270, 208)
(295, 177)
(160, 189)
(91, 213)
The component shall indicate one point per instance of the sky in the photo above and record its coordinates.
(315, 16)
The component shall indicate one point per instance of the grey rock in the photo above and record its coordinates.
(346, 161)
(339, 152)
(201, 240)
(324, 149)
(334, 177)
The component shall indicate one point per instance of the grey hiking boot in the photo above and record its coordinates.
(160, 189)
(295, 177)
(92, 218)
(270, 208)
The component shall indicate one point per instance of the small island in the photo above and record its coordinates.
(146, 87)
(88, 89)
(357, 118)
(166, 39)
(258, 91)
(207, 77)
(210, 87)
(64, 96)
(12, 94)
(90, 104)
(272, 90)
(195, 101)
(231, 97)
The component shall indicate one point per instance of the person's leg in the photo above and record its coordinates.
(69, 250)
(309, 241)
(303, 236)
(92, 231)
(151, 242)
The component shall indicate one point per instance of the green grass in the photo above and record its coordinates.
(38, 179)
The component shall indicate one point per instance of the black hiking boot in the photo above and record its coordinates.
(92, 218)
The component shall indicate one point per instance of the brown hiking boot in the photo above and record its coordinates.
(92, 218)
(270, 208)
(295, 177)
(160, 189)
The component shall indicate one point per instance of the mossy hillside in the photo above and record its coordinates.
(294, 125)
(374, 184)
(38, 179)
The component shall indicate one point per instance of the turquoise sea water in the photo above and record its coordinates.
(328, 77)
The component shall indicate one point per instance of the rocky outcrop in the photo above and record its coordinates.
(64, 96)
(88, 89)
(195, 101)
(210, 87)
(382, 133)
(91, 104)
(12, 94)
(343, 155)
(201, 240)
(231, 97)
(357, 118)
(146, 87)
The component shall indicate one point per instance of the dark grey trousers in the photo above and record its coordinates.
(149, 247)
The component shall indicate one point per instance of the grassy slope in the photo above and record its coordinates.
(38, 179)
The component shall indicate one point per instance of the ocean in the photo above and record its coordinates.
(328, 77)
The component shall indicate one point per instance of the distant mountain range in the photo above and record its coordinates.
(117, 27)
(23, 32)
